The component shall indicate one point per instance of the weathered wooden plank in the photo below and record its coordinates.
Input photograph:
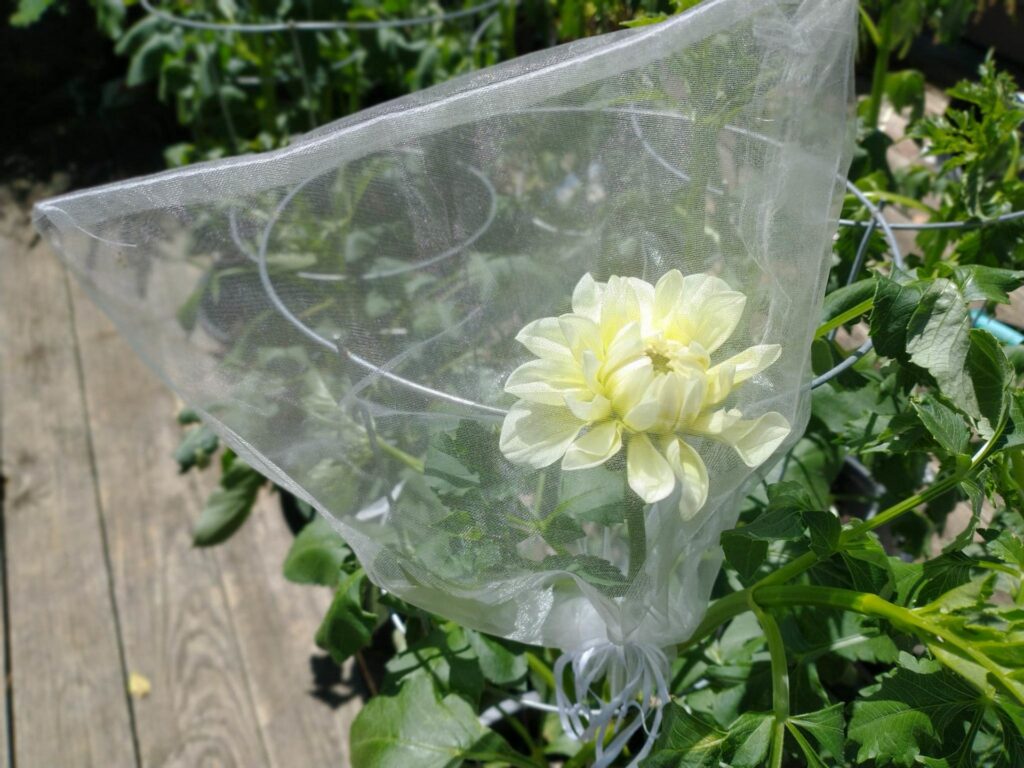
(250, 632)
(277, 621)
(70, 706)
(176, 623)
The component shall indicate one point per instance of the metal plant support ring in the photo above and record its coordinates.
(315, 26)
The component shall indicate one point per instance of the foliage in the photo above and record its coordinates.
(869, 612)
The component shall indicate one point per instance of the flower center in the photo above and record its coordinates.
(661, 362)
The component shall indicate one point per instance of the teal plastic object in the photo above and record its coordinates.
(1005, 333)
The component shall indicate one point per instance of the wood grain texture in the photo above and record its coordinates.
(305, 722)
(176, 625)
(70, 702)
(226, 642)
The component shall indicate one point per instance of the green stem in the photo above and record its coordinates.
(842, 319)
(732, 605)
(881, 69)
(636, 527)
(780, 679)
(873, 605)
(542, 670)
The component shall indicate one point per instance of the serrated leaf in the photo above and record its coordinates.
(944, 424)
(991, 376)
(745, 555)
(316, 555)
(921, 583)
(750, 737)
(827, 726)
(914, 711)
(687, 741)
(895, 303)
(824, 529)
(417, 728)
(938, 340)
(981, 283)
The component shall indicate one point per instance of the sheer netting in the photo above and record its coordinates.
(527, 338)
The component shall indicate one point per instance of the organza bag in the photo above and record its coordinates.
(527, 338)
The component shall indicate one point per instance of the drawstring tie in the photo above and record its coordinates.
(637, 676)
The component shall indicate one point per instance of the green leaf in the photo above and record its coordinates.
(229, 505)
(417, 728)
(921, 583)
(906, 89)
(827, 726)
(594, 495)
(498, 663)
(316, 555)
(938, 341)
(991, 377)
(592, 569)
(745, 554)
(750, 737)
(196, 448)
(944, 424)
(687, 741)
(347, 627)
(980, 283)
(29, 12)
(824, 529)
(918, 709)
(446, 474)
(447, 657)
(895, 304)
(781, 519)
(846, 298)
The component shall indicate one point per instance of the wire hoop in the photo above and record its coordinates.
(314, 26)
(876, 222)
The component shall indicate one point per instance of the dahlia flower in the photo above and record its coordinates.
(631, 367)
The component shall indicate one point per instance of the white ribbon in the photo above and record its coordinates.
(637, 676)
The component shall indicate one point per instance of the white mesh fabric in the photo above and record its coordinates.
(346, 308)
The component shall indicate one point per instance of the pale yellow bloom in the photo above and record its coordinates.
(631, 366)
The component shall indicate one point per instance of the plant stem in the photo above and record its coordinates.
(843, 318)
(780, 679)
(881, 69)
(734, 604)
(636, 527)
(873, 605)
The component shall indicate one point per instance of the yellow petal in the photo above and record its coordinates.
(591, 371)
(546, 381)
(545, 339)
(718, 318)
(619, 307)
(628, 385)
(690, 470)
(626, 346)
(708, 310)
(598, 445)
(661, 408)
(755, 440)
(668, 294)
(537, 435)
(581, 335)
(647, 471)
(732, 372)
(586, 298)
(644, 293)
(593, 410)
